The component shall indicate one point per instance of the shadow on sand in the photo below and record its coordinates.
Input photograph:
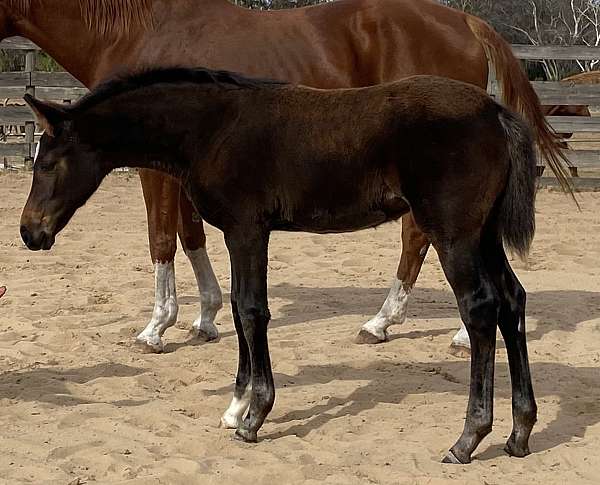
(49, 385)
(554, 310)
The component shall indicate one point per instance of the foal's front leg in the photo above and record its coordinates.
(393, 312)
(234, 415)
(248, 250)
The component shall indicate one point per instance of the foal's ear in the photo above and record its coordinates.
(49, 115)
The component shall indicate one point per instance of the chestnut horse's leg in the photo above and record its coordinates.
(479, 305)
(248, 248)
(193, 240)
(414, 249)
(461, 345)
(161, 194)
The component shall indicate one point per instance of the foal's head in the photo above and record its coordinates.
(66, 172)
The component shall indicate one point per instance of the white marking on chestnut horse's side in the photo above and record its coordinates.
(165, 310)
(211, 299)
(234, 415)
(392, 312)
(461, 339)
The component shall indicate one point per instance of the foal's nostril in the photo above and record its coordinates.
(26, 236)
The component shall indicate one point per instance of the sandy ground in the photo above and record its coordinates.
(80, 404)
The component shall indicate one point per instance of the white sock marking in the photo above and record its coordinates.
(211, 300)
(392, 312)
(234, 415)
(461, 339)
(165, 310)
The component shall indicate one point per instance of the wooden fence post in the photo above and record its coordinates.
(30, 125)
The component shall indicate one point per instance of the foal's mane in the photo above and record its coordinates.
(172, 75)
(106, 17)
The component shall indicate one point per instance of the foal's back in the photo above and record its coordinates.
(317, 158)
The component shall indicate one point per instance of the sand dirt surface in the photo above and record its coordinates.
(80, 404)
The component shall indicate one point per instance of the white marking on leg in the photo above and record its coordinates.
(165, 310)
(234, 415)
(461, 339)
(392, 312)
(211, 300)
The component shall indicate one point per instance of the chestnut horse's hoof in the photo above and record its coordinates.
(245, 435)
(365, 337)
(229, 421)
(459, 351)
(200, 335)
(452, 459)
(149, 347)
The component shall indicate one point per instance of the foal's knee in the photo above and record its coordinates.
(480, 310)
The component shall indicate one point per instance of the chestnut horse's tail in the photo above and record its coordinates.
(519, 95)
(516, 206)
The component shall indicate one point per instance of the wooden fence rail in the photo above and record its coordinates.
(62, 86)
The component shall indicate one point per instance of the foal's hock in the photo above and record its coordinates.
(258, 156)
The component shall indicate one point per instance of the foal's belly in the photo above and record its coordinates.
(344, 220)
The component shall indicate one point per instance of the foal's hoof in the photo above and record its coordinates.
(459, 351)
(201, 335)
(245, 435)
(147, 347)
(365, 337)
(517, 451)
(452, 459)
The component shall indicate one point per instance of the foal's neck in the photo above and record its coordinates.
(157, 127)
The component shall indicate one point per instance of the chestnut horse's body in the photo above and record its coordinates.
(320, 161)
(346, 43)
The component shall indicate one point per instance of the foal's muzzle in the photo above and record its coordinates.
(36, 239)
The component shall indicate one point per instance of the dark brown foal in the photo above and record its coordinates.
(329, 161)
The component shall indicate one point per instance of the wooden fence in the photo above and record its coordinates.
(565, 93)
(63, 87)
(56, 86)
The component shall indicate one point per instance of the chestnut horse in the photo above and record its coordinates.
(347, 43)
(326, 161)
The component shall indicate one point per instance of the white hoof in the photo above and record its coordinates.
(229, 421)
(149, 346)
(369, 336)
(459, 351)
(204, 332)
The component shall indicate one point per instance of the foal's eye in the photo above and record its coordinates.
(45, 165)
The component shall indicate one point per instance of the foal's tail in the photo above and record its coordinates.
(519, 95)
(516, 206)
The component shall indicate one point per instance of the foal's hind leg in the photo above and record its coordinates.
(414, 249)
(193, 240)
(478, 303)
(512, 325)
